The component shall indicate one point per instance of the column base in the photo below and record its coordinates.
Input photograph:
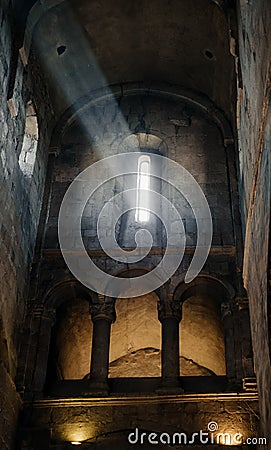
(97, 388)
(234, 386)
(249, 384)
(170, 386)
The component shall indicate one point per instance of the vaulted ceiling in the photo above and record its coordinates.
(87, 44)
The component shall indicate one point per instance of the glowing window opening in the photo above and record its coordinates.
(143, 186)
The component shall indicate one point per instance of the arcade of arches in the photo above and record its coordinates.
(82, 80)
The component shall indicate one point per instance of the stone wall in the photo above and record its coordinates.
(107, 424)
(178, 130)
(10, 404)
(13, 217)
(185, 133)
(254, 121)
(13, 265)
(20, 203)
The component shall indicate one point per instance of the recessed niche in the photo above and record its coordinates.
(61, 49)
(209, 54)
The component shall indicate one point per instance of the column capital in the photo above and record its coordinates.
(37, 311)
(50, 315)
(104, 309)
(225, 310)
(169, 309)
(242, 303)
(43, 313)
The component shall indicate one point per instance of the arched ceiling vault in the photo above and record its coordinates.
(84, 45)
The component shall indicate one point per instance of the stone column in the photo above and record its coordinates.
(23, 371)
(170, 314)
(230, 354)
(103, 315)
(249, 379)
(47, 320)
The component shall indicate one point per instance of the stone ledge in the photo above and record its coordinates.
(215, 250)
(125, 400)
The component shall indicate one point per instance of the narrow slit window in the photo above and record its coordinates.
(143, 187)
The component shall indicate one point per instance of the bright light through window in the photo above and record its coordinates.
(143, 187)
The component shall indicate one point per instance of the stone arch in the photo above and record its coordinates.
(71, 333)
(149, 142)
(165, 90)
(135, 345)
(131, 272)
(212, 284)
(56, 295)
(135, 349)
(71, 341)
(33, 375)
(201, 329)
